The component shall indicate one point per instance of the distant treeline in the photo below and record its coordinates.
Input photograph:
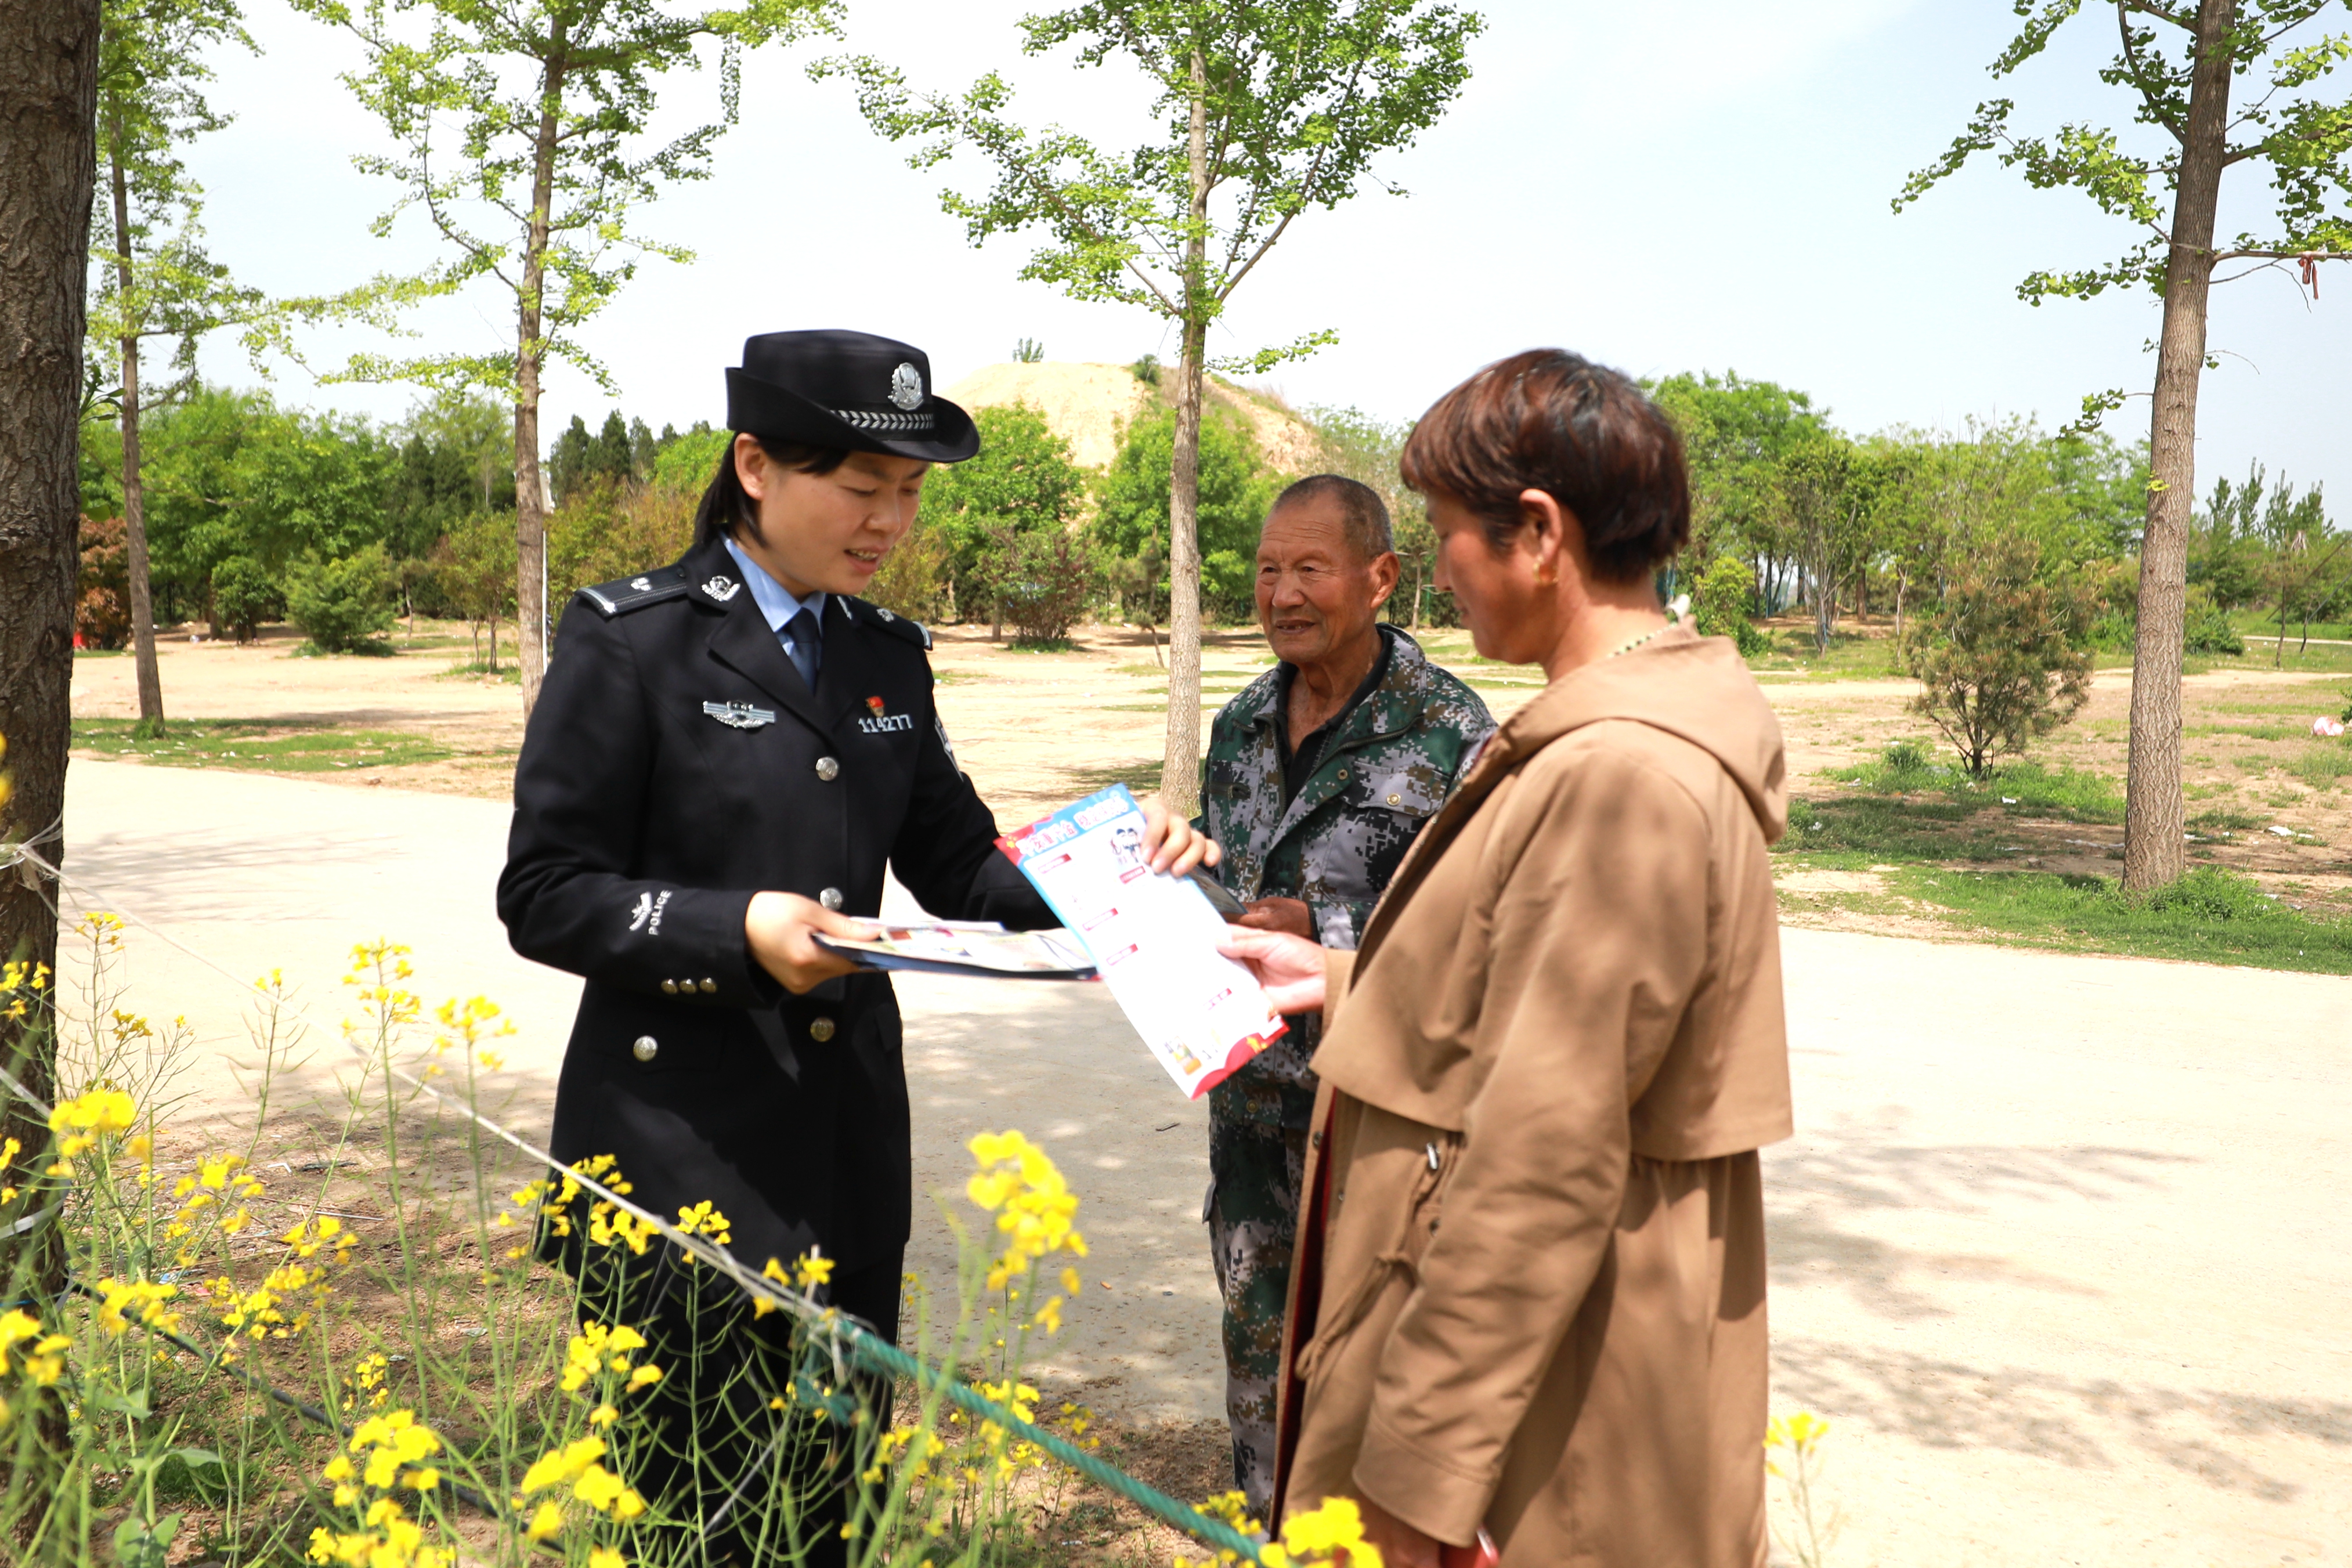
(1788, 512)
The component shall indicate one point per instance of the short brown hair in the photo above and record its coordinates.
(1588, 437)
(725, 506)
(1364, 516)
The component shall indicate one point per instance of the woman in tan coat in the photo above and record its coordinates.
(1528, 1299)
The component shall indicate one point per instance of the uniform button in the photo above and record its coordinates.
(669, 987)
(709, 985)
(1396, 800)
(646, 1048)
(820, 1030)
(827, 769)
(1343, 776)
(830, 897)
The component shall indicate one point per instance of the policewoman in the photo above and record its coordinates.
(725, 754)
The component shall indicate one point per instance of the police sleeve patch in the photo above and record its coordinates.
(619, 598)
(889, 621)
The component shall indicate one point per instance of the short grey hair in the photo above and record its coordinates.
(1364, 516)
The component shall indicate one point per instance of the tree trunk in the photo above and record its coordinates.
(1902, 582)
(49, 115)
(2155, 817)
(134, 495)
(530, 501)
(1179, 771)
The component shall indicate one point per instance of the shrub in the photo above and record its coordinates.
(915, 580)
(1023, 482)
(1146, 370)
(1722, 599)
(473, 572)
(1237, 489)
(2000, 659)
(245, 595)
(2208, 629)
(1052, 578)
(342, 605)
(103, 597)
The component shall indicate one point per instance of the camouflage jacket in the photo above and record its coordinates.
(1383, 773)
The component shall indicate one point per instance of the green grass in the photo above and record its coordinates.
(2331, 658)
(2287, 731)
(2210, 916)
(2321, 764)
(1850, 656)
(1941, 841)
(507, 671)
(2262, 623)
(2017, 789)
(272, 745)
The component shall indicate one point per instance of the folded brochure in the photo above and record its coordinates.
(965, 947)
(1152, 938)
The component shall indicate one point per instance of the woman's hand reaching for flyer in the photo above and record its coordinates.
(1171, 844)
(1290, 968)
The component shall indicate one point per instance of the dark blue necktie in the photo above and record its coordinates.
(800, 632)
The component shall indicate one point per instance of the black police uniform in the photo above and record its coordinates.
(677, 763)
(675, 766)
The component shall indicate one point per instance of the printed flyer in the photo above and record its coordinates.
(968, 947)
(1153, 938)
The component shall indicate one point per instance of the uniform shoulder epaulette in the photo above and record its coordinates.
(889, 621)
(618, 598)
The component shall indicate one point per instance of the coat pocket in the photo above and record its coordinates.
(1404, 1237)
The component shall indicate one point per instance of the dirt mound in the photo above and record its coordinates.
(1089, 404)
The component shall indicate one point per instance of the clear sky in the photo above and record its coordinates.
(1682, 185)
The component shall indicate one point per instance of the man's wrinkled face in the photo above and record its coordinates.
(1316, 594)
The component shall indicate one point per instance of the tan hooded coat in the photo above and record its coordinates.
(1530, 1289)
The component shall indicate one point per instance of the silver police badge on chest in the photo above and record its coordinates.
(738, 715)
(907, 387)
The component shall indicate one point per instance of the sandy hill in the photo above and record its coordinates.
(1088, 404)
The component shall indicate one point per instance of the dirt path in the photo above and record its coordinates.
(2063, 1250)
(1037, 729)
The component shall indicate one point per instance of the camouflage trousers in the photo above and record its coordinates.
(1256, 1169)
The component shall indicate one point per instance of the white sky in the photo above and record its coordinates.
(1680, 184)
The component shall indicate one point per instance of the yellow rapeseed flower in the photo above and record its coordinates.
(120, 1299)
(558, 1465)
(1332, 1532)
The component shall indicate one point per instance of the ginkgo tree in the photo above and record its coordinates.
(2178, 64)
(1265, 110)
(152, 276)
(523, 129)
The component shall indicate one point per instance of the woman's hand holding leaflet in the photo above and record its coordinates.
(780, 929)
(1290, 968)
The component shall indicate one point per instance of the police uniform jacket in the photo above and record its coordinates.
(677, 763)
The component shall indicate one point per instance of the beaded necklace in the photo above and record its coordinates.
(1637, 642)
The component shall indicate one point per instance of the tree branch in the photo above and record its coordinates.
(2139, 77)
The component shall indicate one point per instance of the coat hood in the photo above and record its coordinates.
(1694, 687)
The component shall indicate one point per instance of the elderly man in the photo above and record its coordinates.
(1320, 773)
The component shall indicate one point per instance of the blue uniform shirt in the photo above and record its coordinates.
(776, 603)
